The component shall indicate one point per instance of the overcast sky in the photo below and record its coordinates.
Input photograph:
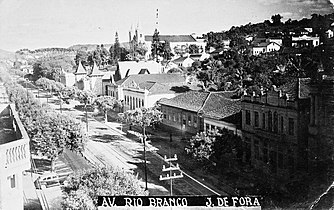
(61, 23)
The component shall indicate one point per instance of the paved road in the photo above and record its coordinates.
(110, 147)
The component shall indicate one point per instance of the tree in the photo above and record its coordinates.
(51, 67)
(193, 49)
(200, 146)
(106, 103)
(167, 52)
(51, 133)
(143, 117)
(276, 19)
(86, 97)
(222, 147)
(82, 188)
(81, 56)
(116, 49)
(157, 47)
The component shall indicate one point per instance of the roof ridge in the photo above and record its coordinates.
(207, 98)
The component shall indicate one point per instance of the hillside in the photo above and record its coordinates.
(92, 47)
(7, 55)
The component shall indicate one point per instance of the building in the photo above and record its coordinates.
(321, 131)
(144, 90)
(329, 33)
(196, 111)
(178, 43)
(183, 62)
(14, 158)
(265, 47)
(305, 41)
(127, 68)
(67, 79)
(274, 127)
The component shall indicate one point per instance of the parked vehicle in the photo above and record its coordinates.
(48, 180)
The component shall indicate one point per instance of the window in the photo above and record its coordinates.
(265, 152)
(291, 126)
(248, 117)
(142, 102)
(207, 127)
(12, 181)
(256, 119)
(282, 124)
(189, 119)
(275, 122)
(179, 117)
(280, 160)
(256, 149)
(195, 122)
(263, 121)
(174, 117)
(270, 125)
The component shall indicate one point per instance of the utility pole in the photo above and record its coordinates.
(144, 140)
(171, 174)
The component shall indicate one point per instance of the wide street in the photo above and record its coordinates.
(109, 146)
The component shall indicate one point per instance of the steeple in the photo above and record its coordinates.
(80, 69)
(96, 71)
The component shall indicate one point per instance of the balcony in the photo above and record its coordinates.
(14, 141)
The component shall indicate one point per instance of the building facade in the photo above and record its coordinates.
(265, 47)
(144, 90)
(274, 127)
(14, 158)
(196, 111)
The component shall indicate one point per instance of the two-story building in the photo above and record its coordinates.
(196, 111)
(14, 157)
(274, 127)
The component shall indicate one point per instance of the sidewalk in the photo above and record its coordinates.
(31, 198)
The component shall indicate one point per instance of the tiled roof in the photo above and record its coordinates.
(298, 88)
(180, 59)
(172, 38)
(191, 101)
(213, 105)
(219, 107)
(160, 78)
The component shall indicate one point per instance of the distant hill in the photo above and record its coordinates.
(92, 47)
(7, 55)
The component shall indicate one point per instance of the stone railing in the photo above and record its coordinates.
(15, 154)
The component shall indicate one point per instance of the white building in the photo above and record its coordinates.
(127, 68)
(305, 40)
(183, 61)
(177, 42)
(144, 90)
(14, 157)
(265, 47)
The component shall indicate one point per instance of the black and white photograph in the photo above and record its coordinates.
(166, 104)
